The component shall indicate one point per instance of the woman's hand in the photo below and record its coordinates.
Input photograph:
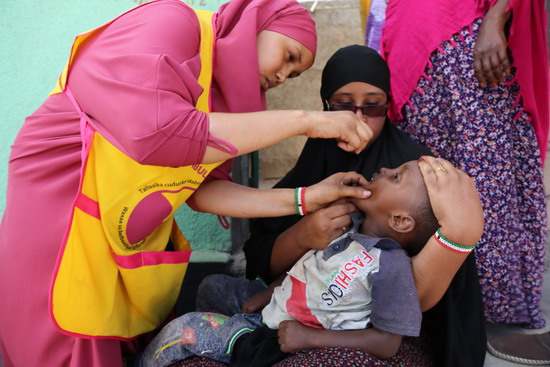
(337, 186)
(491, 61)
(455, 200)
(456, 205)
(351, 132)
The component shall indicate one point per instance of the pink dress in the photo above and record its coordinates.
(149, 116)
(435, 21)
(137, 82)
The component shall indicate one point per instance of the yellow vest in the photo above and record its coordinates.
(113, 277)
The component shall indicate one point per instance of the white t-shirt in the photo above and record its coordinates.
(356, 282)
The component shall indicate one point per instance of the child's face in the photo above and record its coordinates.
(280, 57)
(395, 192)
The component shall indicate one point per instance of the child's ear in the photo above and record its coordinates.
(401, 223)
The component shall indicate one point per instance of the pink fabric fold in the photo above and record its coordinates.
(415, 29)
(152, 258)
(136, 81)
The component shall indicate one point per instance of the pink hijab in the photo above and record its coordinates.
(236, 85)
(435, 21)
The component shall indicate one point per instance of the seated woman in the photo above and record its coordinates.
(453, 330)
(362, 280)
(454, 325)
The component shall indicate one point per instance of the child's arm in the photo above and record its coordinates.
(262, 298)
(314, 231)
(294, 336)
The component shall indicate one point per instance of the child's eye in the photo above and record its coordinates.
(396, 176)
(291, 57)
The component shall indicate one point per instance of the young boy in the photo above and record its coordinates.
(362, 280)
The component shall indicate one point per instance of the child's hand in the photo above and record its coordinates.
(257, 301)
(294, 336)
(319, 228)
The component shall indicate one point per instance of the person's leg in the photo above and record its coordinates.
(209, 335)
(225, 294)
(533, 349)
(485, 132)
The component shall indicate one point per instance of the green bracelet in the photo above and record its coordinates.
(453, 246)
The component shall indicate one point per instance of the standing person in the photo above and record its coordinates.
(148, 108)
(472, 85)
(357, 78)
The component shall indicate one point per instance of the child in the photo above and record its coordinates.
(361, 280)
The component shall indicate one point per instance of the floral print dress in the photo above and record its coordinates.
(486, 133)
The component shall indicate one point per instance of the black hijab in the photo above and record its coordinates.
(456, 323)
(321, 158)
(354, 64)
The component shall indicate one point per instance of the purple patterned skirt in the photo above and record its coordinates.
(486, 133)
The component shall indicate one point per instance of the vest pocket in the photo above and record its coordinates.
(151, 283)
(96, 293)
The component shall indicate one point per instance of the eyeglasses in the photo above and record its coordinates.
(370, 110)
